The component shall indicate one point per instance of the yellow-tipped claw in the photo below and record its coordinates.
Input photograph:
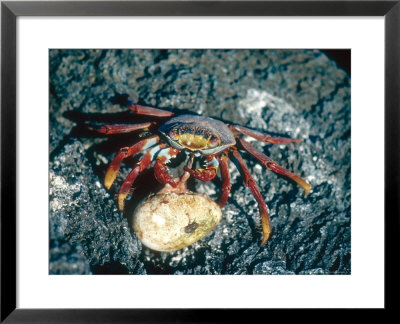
(265, 239)
(273, 166)
(110, 177)
(266, 228)
(306, 186)
(121, 199)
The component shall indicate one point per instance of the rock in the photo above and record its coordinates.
(84, 217)
(293, 93)
(67, 258)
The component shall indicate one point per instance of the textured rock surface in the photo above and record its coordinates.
(293, 93)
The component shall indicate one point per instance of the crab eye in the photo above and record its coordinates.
(214, 140)
(172, 134)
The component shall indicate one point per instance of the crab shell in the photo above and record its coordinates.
(198, 134)
(170, 221)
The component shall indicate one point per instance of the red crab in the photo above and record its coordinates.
(208, 139)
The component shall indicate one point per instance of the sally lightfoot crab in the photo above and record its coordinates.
(210, 141)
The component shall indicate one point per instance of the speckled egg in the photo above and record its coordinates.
(171, 221)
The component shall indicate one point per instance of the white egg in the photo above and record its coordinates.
(171, 221)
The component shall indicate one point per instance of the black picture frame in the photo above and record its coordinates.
(10, 10)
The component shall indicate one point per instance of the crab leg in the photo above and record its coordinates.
(273, 166)
(208, 173)
(123, 153)
(262, 137)
(252, 185)
(226, 185)
(138, 168)
(150, 111)
(119, 128)
(161, 170)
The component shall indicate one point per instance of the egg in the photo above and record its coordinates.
(170, 221)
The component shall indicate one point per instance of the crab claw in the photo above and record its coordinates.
(301, 182)
(161, 173)
(266, 227)
(202, 174)
(208, 173)
(113, 169)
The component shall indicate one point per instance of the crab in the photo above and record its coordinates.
(211, 141)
